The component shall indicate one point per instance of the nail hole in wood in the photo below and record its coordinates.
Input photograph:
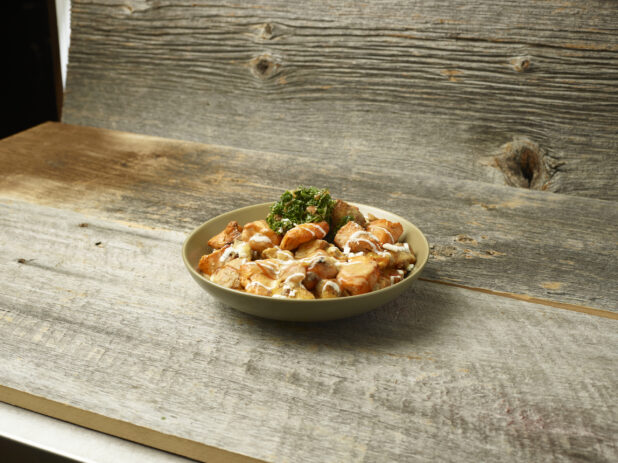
(21, 261)
(83, 224)
(264, 66)
(521, 63)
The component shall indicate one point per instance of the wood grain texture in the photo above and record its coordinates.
(442, 373)
(538, 244)
(442, 88)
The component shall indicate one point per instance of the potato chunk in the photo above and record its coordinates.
(389, 277)
(302, 234)
(227, 236)
(343, 209)
(261, 285)
(310, 248)
(226, 276)
(259, 235)
(354, 238)
(402, 255)
(276, 253)
(358, 277)
(385, 231)
(327, 289)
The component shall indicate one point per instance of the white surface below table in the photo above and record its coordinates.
(74, 441)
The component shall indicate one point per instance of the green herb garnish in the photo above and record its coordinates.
(300, 206)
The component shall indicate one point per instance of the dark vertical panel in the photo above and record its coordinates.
(28, 82)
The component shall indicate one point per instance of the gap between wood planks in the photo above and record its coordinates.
(123, 429)
(533, 300)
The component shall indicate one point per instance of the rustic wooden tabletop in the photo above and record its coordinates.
(506, 349)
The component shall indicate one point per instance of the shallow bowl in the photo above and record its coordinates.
(195, 246)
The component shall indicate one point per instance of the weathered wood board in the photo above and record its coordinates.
(441, 88)
(119, 329)
(534, 244)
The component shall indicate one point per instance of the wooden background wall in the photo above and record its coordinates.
(522, 92)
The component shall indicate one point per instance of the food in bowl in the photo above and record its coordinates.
(310, 246)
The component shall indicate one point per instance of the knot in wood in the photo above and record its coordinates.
(264, 66)
(523, 164)
(521, 63)
(266, 32)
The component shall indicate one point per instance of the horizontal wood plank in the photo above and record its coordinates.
(534, 244)
(120, 329)
(437, 87)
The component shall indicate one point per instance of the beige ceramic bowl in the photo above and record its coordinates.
(195, 247)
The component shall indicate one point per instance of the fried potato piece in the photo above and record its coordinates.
(261, 285)
(354, 238)
(358, 277)
(336, 253)
(310, 248)
(402, 255)
(389, 277)
(302, 234)
(270, 267)
(259, 235)
(277, 253)
(385, 231)
(293, 292)
(227, 236)
(343, 209)
(211, 262)
(327, 289)
(383, 259)
(226, 276)
(248, 270)
(293, 273)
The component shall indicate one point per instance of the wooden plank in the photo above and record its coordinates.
(436, 87)
(120, 330)
(534, 244)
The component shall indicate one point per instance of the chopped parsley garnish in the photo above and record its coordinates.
(300, 206)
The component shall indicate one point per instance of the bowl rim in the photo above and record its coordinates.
(411, 276)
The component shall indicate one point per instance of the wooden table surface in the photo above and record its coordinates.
(505, 350)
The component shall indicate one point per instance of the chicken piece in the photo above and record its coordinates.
(323, 266)
(277, 253)
(261, 285)
(310, 248)
(226, 276)
(343, 209)
(385, 231)
(259, 235)
(354, 238)
(327, 289)
(320, 266)
(303, 233)
(389, 277)
(211, 262)
(358, 277)
(401, 255)
(227, 236)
